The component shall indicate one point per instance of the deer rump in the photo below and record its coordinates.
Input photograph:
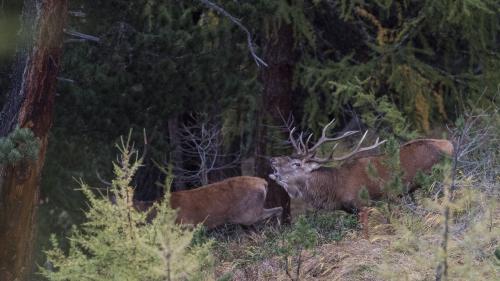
(340, 188)
(236, 200)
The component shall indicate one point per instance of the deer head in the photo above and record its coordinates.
(292, 172)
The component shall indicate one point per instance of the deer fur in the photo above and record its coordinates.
(236, 200)
(339, 188)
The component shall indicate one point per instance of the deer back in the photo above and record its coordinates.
(417, 155)
(422, 154)
(228, 201)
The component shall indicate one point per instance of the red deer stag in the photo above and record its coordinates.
(303, 176)
(238, 200)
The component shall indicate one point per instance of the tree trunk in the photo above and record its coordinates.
(29, 105)
(176, 154)
(277, 80)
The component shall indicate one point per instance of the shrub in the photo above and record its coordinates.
(118, 243)
(302, 237)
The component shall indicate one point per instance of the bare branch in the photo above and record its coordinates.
(103, 181)
(62, 79)
(236, 21)
(202, 145)
(78, 14)
(82, 35)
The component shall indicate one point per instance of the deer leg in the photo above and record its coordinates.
(267, 213)
(259, 215)
(249, 229)
(361, 212)
(363, 215)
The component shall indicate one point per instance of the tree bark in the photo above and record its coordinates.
(277, 80)
(29, 105)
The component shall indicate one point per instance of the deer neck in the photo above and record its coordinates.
(319, 189)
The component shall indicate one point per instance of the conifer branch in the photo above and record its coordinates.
(251, 48)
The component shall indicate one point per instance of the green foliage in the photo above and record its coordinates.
(293, 13)
(9, 25)
(414, 255)
(427, 182)
(364, 195)
(231, 245)
(20, 145)
(155, 60)
(394, 186)
(302, 237)
(413, 62)
(118, 243)
(465, 220)
(332, 226)
(346, 91)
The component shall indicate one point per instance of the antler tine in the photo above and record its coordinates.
(323, 160)
(308, 139)
(323, 133)
(334, 147)
(294, 143)
(324, 139)
(302, 144)
(357, 149)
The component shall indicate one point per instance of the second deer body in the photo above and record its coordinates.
(236, 200)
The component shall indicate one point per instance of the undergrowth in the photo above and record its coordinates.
(243, 247)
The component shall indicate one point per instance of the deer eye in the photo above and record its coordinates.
(296, 164)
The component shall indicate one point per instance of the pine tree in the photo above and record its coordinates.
(400, 63)
(118, 243)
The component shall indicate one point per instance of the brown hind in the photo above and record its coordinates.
(237, 200)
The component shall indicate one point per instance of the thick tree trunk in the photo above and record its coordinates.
(29, 105)
(277, 79)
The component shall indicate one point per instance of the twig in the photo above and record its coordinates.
(299, 263)
(82, 35)
(236, 21)
(79, 14)
(105, 182)
(442, 268)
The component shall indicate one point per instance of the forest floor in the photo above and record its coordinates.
(406, 249)
(351, 259)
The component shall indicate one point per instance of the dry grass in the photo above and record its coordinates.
(352, 259)
(406, 249)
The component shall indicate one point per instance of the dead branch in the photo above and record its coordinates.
(236, 21)
(82, 35)
(202, 143)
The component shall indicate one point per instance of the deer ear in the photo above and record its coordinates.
(312, 166)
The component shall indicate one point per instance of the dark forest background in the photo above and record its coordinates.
(399, 67)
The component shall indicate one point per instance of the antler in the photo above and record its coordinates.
(356, 150)
(324, 138)
(294, 142)
(308, 153)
